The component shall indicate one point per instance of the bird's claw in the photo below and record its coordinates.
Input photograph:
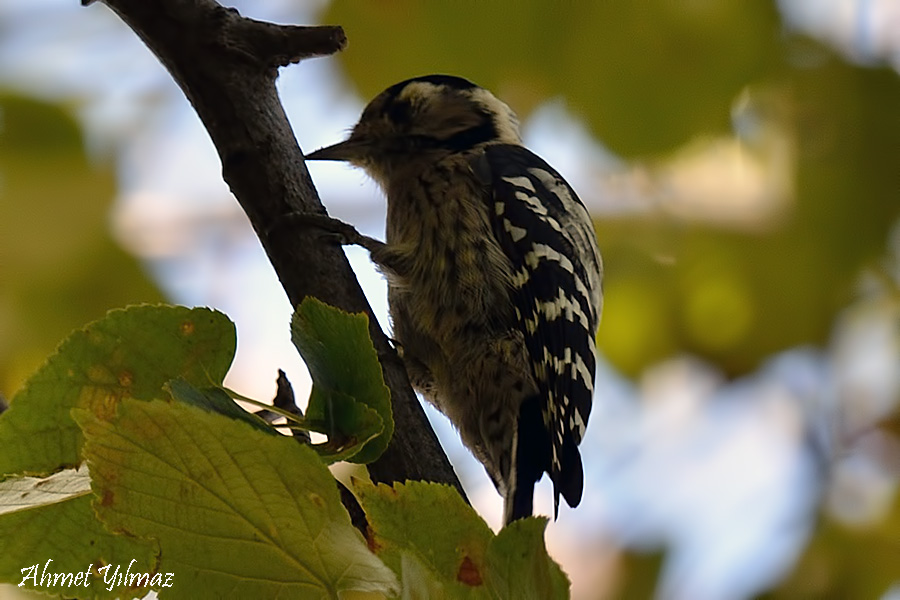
(328, 227)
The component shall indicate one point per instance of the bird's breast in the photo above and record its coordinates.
(459, 276)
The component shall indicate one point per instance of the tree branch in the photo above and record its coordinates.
(227, 65)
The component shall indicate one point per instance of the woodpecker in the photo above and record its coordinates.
(494, 278)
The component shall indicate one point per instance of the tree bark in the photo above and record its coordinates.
(227, 65)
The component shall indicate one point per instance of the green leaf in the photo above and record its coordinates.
(132, 352)
(429, 520)
(349, 425)
(129, 353)
(343, 365)
(440, 546)
(51, 523)
(69, 535)
(235, 513)
(215, 400)
(419, 581)
(519, 566)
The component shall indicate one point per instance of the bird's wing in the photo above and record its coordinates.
(547, 234)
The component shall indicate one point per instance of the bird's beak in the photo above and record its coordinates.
(349, 150)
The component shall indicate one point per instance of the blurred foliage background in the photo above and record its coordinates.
(649, 79)
(742, 162)
(59, 266)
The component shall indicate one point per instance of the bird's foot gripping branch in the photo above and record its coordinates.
(127, 466)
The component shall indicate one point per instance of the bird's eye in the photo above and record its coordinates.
(399, 112)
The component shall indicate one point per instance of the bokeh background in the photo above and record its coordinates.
(742, 164)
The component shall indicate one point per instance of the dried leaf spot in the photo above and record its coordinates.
(106, 408)
(371, 542)
(187, 328)
(108, 498)
(468, 573)
(317, 500)
(126, 378)
(102, 402)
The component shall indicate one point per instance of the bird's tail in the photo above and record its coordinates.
(530, 452)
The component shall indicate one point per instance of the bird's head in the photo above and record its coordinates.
(422, 119)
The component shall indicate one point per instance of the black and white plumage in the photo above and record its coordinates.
(494, 278)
